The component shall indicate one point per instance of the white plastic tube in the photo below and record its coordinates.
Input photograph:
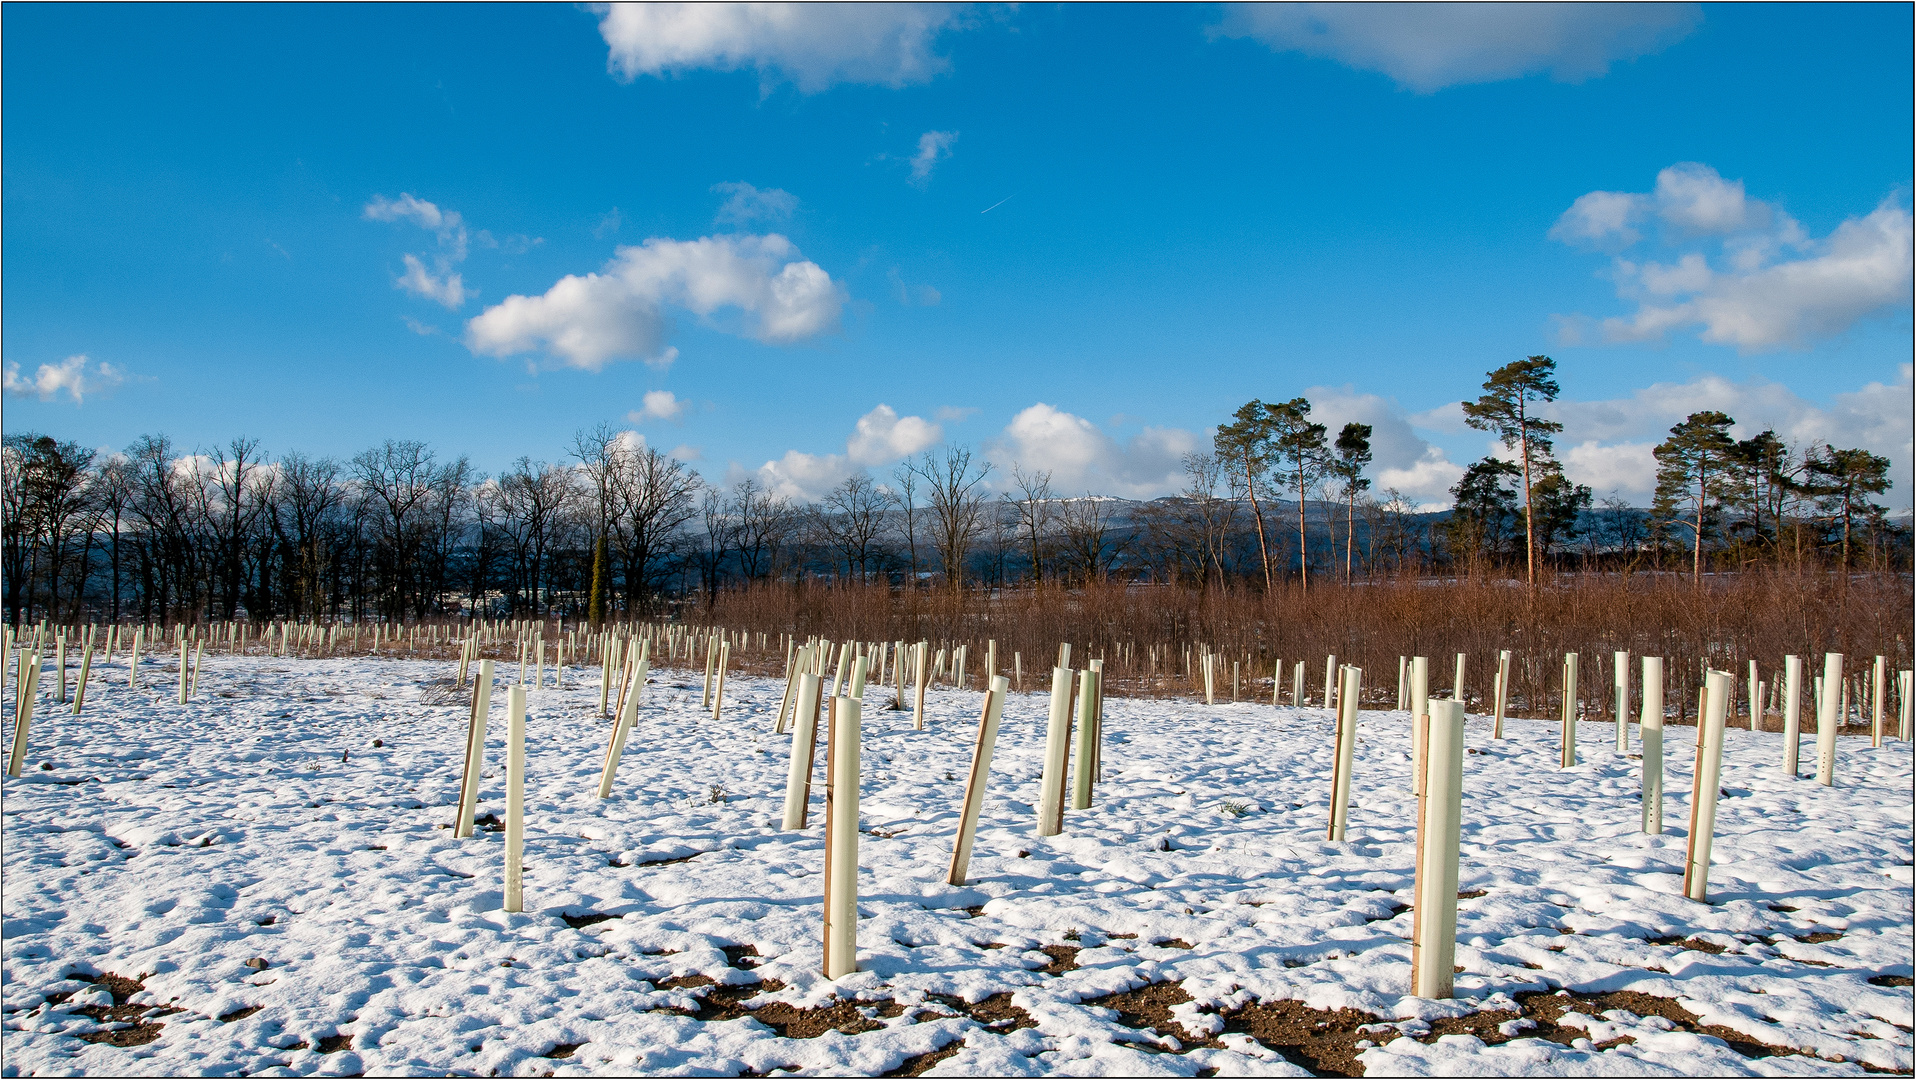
(1650, 731)
(974, 801)
(1792, 715)
(841, 833)
(1828, 711)
(1344, 753)
(798, 778)
(1719, 687)
(1057, 750)
(1439, 836)
(515, 797)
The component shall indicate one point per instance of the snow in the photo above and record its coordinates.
(262, 821)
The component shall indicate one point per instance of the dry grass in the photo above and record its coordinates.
(1724, 623)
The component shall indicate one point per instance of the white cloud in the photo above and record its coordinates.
(71, 377)
(1861, 270)
(446, 289)
(657, 405)
(933, 146)
(1691, 199)
(1400, 458)
(804, 477)
(1426, 47)
(882, 436)
(747, 203)
(1771, 287)
(811, 45)
(446, 224)
(879, 438)
(1082, 457)
(621, 313)
(608, 224)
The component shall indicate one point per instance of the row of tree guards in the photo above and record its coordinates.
(1072, 762)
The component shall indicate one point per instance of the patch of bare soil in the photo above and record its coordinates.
(920, 1064)
(1688, 943)
(995, 1012)
(141, 1029)
(1150, 1007)
(1063, 958)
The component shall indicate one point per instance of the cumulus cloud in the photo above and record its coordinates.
(745, 203)
(587, 321)
(76, 377)
(811, 45)
(933, 146)
(880, 437)
(1426, 47)
(804, 477)
(1770, 285)
(1689, 199)
(1082, 457)
(445, 288)
(657, 405)
(1400, 458)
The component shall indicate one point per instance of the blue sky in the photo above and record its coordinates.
(759, 238)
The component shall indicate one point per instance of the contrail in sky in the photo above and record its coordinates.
(999, 203)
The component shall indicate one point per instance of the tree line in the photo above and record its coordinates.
(615, 528)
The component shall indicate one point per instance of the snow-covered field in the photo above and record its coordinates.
(296, 814)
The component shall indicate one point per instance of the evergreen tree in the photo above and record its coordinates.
(1506, 409)
(1842, 482)
(1696, 475)
(1299, 457)
(1353, 453)
(1483, 508)
(1246, 444)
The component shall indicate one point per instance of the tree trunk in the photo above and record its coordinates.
(1257, 515)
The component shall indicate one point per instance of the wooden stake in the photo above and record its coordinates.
(1057, 750)
(841, 841)
(974, 801)
(1720, 687)
(1439, 835)
(1650, 733)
